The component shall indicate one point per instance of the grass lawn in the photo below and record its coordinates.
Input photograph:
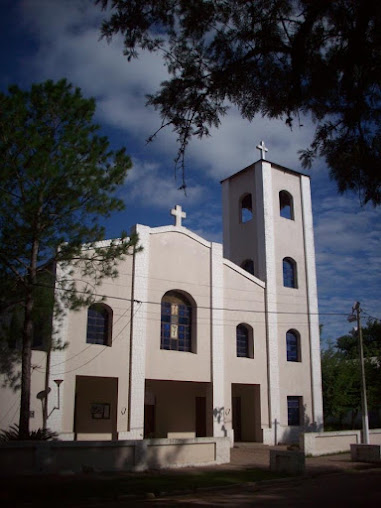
(67, 490)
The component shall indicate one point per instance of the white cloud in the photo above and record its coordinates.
(69, 46)
(347, 237)
(348, 259)
(146, 184)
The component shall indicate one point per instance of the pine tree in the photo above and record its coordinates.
(58, 180)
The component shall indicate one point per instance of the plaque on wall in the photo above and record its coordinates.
(100, 411)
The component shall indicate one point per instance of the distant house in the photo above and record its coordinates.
(197, 338)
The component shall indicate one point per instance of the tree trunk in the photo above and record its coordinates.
(26, 359)
(26, 366)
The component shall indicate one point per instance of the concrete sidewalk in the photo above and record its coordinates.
(330, 481)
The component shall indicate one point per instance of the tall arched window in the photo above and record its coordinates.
(177, 313)
(246, 208)
(290, 279)
(245, 341)
(293, 346)
(286, 205)
(248, 265)
(99, 324)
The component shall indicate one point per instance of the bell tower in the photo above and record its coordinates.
(268, 231)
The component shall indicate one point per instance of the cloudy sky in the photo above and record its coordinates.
(42, 39)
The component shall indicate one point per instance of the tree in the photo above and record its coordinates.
(58, 180)
(341, 374)
(371, 335)
(278, 58)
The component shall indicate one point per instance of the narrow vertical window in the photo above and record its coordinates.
(289, 273)
(293, 346)
(246, 208)
(294, 410)
(286, 205)
(244, 341)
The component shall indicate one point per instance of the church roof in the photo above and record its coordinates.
(274, 164)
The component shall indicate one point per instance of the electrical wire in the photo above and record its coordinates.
(96, 356)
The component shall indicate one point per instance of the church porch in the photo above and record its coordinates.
(177, 409)
(95, 410)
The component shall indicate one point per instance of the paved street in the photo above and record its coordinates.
(346, 489)
(330, 481)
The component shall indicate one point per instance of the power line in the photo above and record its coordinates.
(94, 357)
(90, 345)
(372, 317)
(207, 307)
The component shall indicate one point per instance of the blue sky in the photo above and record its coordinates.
(52, 39)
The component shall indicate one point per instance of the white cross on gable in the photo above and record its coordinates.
(178, 213)
(261, 147)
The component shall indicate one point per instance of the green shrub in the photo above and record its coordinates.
(13, 434)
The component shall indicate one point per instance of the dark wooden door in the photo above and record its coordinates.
(200, 416)
(149, 421)
(237, 419)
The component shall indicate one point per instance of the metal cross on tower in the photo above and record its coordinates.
(261, 147)
(178, 213)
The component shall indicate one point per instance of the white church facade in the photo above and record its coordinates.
(195, 338)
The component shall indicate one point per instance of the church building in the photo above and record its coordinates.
(195, 338)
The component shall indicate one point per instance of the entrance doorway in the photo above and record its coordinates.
(236, 418)
(149, 421)
(200, 416)
(246, 412)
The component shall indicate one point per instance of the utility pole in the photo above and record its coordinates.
(355, 316)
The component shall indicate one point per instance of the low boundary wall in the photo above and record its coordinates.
(323, 443)
(78, 456)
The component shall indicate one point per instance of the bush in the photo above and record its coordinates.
(13, 434)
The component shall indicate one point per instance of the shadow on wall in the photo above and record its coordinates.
(291, 434)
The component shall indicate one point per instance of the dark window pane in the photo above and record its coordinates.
(292, 347)
(98, 329)
(242, 341)
(289, 273)
(294, 410)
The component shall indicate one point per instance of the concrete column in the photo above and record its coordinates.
(217, 340)
(312, 303)
(138, 337)
(58, 366)
(268, 263)
(226, 205)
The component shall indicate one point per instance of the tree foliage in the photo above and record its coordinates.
(58, 180)
(278, 58)
(342, 379)
(371, 336)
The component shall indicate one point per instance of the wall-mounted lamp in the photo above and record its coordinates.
(58, 383)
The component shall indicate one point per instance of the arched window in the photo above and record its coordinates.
(99, 324)
(289, 273)
(177, 315)
(248, 265)
(246, 208)
(293, 346)
(286, 205)
(245, 341)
